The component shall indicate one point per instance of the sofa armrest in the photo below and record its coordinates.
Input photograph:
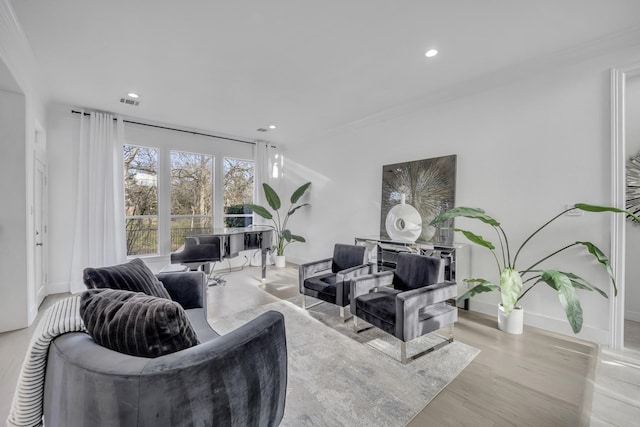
(189, 289)
(237, 379)
(429, 295)
(311, 269)
(411, 305)
(243, 373)
(343, 281)
(362, 285)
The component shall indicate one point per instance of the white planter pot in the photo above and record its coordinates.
(280, 261)
(513, 322)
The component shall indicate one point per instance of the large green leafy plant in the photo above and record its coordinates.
(515, 283)
(283, 234)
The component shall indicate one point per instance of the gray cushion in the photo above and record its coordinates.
(416, 271)
(136, 324)
(133, 276)
(347, 256)
(324, 283)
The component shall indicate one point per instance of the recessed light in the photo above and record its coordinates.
(133, 95)
(272, 126)
(431, 53)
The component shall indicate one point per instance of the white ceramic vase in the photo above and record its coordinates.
(512, 323)
(403, 222)
(280, 261)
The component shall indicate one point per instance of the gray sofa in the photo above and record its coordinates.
(238, 379)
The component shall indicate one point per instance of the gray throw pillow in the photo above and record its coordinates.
(136, 324)
(133, 276)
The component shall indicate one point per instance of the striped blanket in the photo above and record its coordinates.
(60, 318)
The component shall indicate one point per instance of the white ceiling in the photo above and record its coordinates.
(232, 66)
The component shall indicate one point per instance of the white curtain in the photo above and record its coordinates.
(99, 224)
(268, 163)
(268, 169)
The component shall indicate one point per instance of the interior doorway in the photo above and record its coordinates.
(40, 215)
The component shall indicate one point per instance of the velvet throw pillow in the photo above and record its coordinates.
(136, 324)
(133, 276)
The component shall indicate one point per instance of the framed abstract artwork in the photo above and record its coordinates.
(428, 185)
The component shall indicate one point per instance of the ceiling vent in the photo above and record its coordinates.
(262, 130)
(130, 101)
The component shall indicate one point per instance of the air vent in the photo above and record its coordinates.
(262, 130)
(130, 101)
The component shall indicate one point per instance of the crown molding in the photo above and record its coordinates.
(562, 58)
(16, 52)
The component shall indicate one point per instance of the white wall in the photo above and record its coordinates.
(63, 138)
(632, 288)
(21, 110)
(13, 267)
(525, 151)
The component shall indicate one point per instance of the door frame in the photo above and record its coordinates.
(619, 77)
(40, 162)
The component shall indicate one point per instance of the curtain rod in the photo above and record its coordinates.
(176, 130)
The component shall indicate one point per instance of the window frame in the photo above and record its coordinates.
(253, 195)
(166, 141)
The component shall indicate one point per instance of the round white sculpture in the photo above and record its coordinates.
(403, 223)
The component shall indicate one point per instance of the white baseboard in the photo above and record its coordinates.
(632, 315)
(57, 288)
(560, 326)
(33, 312)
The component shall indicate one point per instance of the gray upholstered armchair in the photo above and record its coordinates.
(408, 303)
(237, 379)
(328, 279)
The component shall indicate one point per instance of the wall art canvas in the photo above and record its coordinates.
(429, 185)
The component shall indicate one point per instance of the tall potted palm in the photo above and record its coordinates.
(515, 283)
(284, 236)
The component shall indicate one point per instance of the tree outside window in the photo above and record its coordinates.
(141, 199)
(238, 192)
(191, 195)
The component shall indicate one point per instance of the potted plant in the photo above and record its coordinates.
(284, 237)
(516, 283)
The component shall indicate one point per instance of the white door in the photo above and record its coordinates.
(40, 227)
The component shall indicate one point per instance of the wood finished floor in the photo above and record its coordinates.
(535, 379)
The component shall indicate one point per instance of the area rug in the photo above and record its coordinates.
(335, 379)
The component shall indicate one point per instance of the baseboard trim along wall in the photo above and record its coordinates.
(598, 336)
(632, 315)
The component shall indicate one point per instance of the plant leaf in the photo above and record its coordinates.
(483, 286)
(478, 240)
(295, 238)
(271, 196)
(296, 208)
(567, 295)
(286, 235)
(510, 287)
(475, 213)
(602, 259)
(261, 211)
(595, 208)
(299, 192)
(579, 283)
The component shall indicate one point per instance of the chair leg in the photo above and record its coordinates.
(446, 340)
(356, 328)
(304, 303)
(343, 314)
(212, 279)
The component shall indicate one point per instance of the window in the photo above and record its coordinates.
(238, 192)
(191, 196)
(178, 185)
(141, 199)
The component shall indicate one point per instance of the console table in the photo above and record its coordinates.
(457, 256)
(231, 242)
